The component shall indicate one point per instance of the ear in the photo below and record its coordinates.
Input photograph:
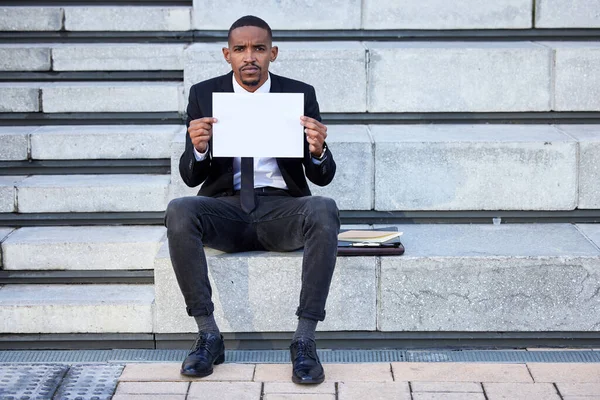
(226, 54)
(274, 52)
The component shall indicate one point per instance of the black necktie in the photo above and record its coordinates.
(247, 189)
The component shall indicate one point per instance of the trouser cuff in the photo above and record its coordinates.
(310, 315)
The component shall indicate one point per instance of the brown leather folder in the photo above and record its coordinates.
(392, 247)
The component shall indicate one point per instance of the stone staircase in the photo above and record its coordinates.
(436, 113)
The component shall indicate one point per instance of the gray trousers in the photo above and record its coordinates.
(278, 223)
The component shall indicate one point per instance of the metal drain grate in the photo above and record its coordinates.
(89, 382)
(500, 356)
(21, 382)
(282, 356)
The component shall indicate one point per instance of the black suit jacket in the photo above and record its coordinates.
(217, 172)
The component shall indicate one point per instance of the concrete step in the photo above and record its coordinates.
(91, 57)
(125, 18)
(92, 193)
(15, 19)
(65, 97)
(8, 193)
(82, 248)
(112, 97)
(453, 278)
(474, 167)
(76, 308)
(455, 167)
(348, 76)
(87, 142)
(431, 76)
(103, 142)
(308, 15)
(14, 142)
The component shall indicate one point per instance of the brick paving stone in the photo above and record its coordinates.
(460, 372)
(565, 372)
(579, 389)
(148, 397)
(520, 391)
(225, 391)
(299, 397)
(447, 387)
(448, 396)
(274, 373)
(152, 388)
(169, 372)
(359, 372)
(283, 388)
(333, 372)
(373, 390)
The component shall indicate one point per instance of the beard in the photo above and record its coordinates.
(254, 81)
(251, 83)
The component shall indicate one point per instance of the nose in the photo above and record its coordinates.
(249, 55)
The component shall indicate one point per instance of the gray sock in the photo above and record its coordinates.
(306, 328)
(206, 323)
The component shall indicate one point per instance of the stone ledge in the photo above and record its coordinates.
(122, 18)
(588, 138)
(75, 142)
(280, 15)
(567, 14)
(4, 232)
(112, 97)
(258, 292)
(440, 14)
(452, 278)
(19, 97)
(76, 308)
(24, 57)
(8, 193)
(30, 19)
(82, 248)
(576, 76)
(14, 142)
(474, 167)
(473, 278)
(117, 57)
(458, 77)
(92, 193)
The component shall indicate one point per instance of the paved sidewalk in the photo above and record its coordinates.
(398, 381)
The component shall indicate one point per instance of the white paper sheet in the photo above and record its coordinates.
(258, 125)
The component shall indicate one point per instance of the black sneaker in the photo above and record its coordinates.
(306, 366)
(208, 349)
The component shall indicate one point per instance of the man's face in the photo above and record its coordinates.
(250, 52)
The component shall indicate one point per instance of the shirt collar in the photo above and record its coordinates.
(264, 88)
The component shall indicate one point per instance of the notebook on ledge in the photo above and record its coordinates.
(365, 242)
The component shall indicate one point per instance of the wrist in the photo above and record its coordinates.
(323, 151)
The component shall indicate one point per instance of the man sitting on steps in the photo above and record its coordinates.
(253, 204)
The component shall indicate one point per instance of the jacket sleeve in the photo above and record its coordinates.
(319, 174)
(193, 172)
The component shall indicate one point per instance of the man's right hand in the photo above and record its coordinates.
(200, 131)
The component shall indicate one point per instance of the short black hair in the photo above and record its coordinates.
(250, 20)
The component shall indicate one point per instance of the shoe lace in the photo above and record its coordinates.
(303, 349)
(201, 343)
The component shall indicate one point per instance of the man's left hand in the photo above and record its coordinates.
(316, 133)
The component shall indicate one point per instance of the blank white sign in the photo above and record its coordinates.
(258, 125)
